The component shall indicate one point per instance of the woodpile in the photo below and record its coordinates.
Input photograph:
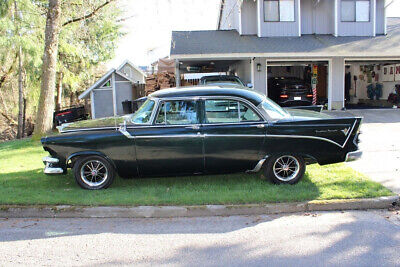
(157, 81)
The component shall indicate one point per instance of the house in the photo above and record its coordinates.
(347, 45)
(116, 86)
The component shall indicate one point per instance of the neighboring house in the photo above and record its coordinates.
(134, 73)
(259, 39)
(116, 86)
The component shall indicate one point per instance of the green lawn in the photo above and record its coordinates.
(23, 182)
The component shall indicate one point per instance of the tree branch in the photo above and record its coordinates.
(91, 14)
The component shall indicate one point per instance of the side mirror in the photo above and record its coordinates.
(250, 85)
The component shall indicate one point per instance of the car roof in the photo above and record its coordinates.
(252, 96)
(219, 76)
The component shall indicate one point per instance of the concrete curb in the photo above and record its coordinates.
(66, 211)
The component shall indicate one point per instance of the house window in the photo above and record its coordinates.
(355, 10)
(278, 10)
(107, 83)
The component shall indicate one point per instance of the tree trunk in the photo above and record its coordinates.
(44, 117)
(59, 91)
(20, 87)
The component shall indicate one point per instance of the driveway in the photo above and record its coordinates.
(380, 143)
(355, 238)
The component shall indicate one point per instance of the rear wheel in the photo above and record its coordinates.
(285, 169)
(93, 173)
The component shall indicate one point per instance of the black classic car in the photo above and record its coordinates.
(201, 130)
(289, 91)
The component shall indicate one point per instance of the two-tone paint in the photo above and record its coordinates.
(203, 148)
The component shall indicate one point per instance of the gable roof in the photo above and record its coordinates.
(100, 81)
(133, 66)
(198, 44)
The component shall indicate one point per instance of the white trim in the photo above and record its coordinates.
(114, 94)
(294, 55)
(373, 17)
(123, 81)
(92, 105)
(336, 19)
(330, 84)
(102, 89)
(299, 16)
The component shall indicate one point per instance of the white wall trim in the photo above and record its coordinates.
(330, 84)
(92, 105)
(373, 3)
(260, 17)
(299, 16)
(294, 56)
(114, 94)
(336, 19)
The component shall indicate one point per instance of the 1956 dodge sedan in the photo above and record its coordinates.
(202, 130)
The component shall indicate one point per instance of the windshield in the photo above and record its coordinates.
(143, 114)
(273, 110)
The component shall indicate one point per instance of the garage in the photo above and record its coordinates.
(372, 84)
(298, 83)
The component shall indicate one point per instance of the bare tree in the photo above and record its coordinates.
(44, 117)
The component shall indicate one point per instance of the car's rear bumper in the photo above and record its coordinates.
(354, 155)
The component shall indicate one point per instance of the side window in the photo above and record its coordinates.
(228, 111)
(247, 114)
(177, 112)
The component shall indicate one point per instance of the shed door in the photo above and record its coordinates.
(103, 103)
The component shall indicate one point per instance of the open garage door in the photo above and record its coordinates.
(372, 84)
(292, 83)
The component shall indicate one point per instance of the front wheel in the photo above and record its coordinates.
(285, 169)
(93, 173)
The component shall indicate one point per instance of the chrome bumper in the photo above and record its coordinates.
(49, 169)
(354, 155)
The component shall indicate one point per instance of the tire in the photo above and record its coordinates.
(285, 169)
(93, 173)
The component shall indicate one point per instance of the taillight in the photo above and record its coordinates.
(309, 95)
(64, 113)
(284, 96)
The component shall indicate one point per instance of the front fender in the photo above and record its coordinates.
(89, 153)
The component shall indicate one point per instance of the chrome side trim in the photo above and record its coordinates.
(259, 165)
(354, 155)
(234, 135)
(315, 137)
(90, 129)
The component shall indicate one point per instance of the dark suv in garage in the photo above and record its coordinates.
(290, 91)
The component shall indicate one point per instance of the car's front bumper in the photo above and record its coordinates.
(50, 166)
(354, 155)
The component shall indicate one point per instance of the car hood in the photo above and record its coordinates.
(109, 122)
(301, 115)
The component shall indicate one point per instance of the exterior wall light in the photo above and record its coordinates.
(258, 67)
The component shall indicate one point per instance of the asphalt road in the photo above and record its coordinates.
(380, 143)
(357, 238)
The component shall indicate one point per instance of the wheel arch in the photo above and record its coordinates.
(74, 156)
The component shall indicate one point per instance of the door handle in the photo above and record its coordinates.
(260, 126)
(193, 127)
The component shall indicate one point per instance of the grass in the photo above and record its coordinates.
(22, 182)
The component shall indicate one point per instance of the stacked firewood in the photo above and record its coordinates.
(159, 81)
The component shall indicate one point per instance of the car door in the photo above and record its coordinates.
(173, 144)
(233, 135)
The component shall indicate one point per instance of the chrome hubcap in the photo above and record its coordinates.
(94, 173)
(286, 168)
